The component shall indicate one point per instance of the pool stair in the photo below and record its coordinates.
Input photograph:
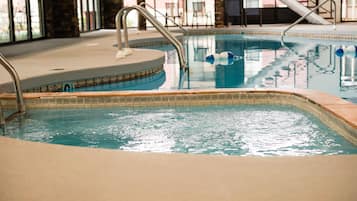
(278, 64)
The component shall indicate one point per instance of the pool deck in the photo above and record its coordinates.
(51, 61)
(40, 172)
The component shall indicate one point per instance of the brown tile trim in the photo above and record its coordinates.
(322, 35)
(338, 114)
(94, 81)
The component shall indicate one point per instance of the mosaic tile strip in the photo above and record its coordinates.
(72, 84)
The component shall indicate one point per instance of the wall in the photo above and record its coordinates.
(109, 8)
(142, 20)
(61, 19)
(219, 13)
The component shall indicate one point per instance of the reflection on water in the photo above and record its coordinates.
(265, 64)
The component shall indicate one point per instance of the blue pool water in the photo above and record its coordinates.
(264, 64)
(228, 130)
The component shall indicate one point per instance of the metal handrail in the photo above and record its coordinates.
(142, 4)
(2, 117)
(121, 15)
(17, 86)
(329, 11)
(307, 14)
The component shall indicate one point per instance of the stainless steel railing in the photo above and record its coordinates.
(121, 17)
(142, 4)
(283, 33)
(17, 85)
(2, 117)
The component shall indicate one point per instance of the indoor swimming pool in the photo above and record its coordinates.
(262, 63)
(260, 130)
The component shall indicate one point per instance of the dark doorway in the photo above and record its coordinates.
(233, 12)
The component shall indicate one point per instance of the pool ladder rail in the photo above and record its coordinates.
(121, 18)
(21, 109)
(283, 33)
(2, 118)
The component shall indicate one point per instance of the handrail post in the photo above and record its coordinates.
(125, 28)
(122, 52)
(177, 44)
(335, 13)
(17, 85)
(118, 28)
(2, 117)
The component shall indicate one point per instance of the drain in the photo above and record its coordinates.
(67, 87)
(57, 69)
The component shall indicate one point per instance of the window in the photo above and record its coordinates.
(97, 13)
(251, 4)
(23, 22)
(88, 15)
(5, 24)
(79, 15)
(35, 13)
(84, 15)
(280, 4)
(349, 10)
(132, 19)
(268, 3)
(20, 20)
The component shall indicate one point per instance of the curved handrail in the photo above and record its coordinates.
(2, 117)
(121, 15)
(142, 4)
(17, 86)
(307, 14)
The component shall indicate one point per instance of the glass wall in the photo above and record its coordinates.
(5, 23)
(280, 4)
(97, 9)
(20, 20)
(79, 14)
(265, 3)
(199, 12)
(132, 19)
(36, 25)
(349, 10)
(88, 15)
(183, 12)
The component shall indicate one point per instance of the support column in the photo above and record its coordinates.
(141, 20)
(109, 8)
(61, 19)
(219, 13)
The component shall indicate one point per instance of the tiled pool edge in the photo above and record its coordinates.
(100, 80)
(336, 113)
(248, 31)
